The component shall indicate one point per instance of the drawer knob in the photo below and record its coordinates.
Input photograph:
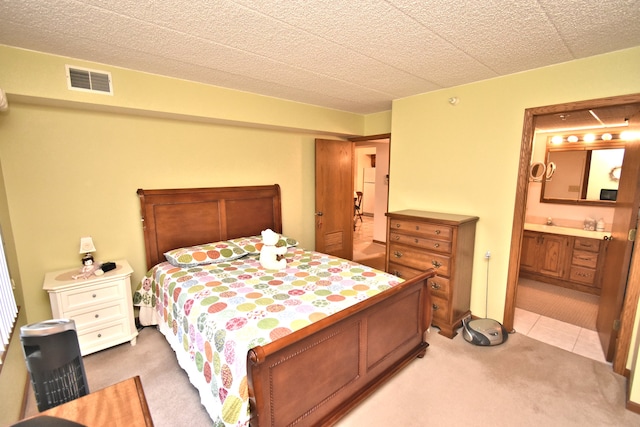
(397, 225)
(435, 286)
(97, 315)
(397, 254)
(397, 237)
(437, 231)
(99, 335)
(436, 264)
(93, 296)
(435, 307)
(415, 240)
(417, 227)
(437, 245)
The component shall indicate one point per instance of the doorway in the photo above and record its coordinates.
(531, 116)
(371, 199)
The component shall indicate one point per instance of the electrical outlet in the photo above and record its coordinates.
(487, 254)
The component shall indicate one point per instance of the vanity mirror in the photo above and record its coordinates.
(585, 169)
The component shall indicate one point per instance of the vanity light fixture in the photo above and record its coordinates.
(606, 137)
(589, 137)
(572, 138)
(628, 135)
(557, 139)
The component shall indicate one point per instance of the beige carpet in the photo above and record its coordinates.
(567, 305)
(522, 382)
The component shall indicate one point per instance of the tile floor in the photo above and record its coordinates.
(569, 337)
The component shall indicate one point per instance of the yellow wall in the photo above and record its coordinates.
(464, 158)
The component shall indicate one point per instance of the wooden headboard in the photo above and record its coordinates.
(175, 218)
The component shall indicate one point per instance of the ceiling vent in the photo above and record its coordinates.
(87, 80)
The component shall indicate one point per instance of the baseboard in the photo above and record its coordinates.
(379, 242)
(633, 407)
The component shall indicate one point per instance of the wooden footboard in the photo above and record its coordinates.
(317, 374)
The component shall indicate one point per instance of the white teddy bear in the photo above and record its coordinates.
(269, 252)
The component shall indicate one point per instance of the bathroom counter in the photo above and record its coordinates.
(567, 231)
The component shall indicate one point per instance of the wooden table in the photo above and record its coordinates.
(122, 404)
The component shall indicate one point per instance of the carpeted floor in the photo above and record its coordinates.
(567, 305)
(523, 382)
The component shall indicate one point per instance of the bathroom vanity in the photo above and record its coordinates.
(562, 256)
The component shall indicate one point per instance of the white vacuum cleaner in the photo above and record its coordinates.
(484, 332)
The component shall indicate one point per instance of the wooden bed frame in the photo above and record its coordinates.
(337, 361)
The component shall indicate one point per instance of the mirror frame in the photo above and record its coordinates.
(578, 146)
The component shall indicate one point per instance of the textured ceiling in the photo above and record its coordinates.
(344, 54)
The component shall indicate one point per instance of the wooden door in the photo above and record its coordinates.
(618, 256)
(334, 197)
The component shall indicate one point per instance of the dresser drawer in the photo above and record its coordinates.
(443, 246)
(583, 275)
(77, 299)
(584, 259)
(440, 309)
(591, 245)
(402, 271)
(420, 229)
(439, 286)
(418, 258)
(103, 336)
(99, 314)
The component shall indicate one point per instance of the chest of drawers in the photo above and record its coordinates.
(101, 306)
(419, 240)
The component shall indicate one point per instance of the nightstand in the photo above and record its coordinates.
(101, 306)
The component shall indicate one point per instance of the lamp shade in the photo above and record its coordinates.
(86, 245)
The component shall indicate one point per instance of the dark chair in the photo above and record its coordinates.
(54, 362)
(357, 208)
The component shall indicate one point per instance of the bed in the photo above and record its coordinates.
(307, 370)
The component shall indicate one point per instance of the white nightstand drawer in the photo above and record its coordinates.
(84, 297)
(97, 315)
(103, 337)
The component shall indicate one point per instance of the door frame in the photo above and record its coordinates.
(526, 147)
(374, 138)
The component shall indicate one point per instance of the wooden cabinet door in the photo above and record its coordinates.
(553, 255)
(529, 251)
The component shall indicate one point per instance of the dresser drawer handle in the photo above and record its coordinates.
(397, 254)
(94, 295)
(99, 335)
(437, 231)
(415, 240)
(397, 237)
(437, 245)
(436, 264)
(584, 274)
(435, 286)
(435, 307)
(397, 225)
(417, 227)
(97, 315)
(584, 259)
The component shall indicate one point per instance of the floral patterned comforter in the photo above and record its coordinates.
(213, 314)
